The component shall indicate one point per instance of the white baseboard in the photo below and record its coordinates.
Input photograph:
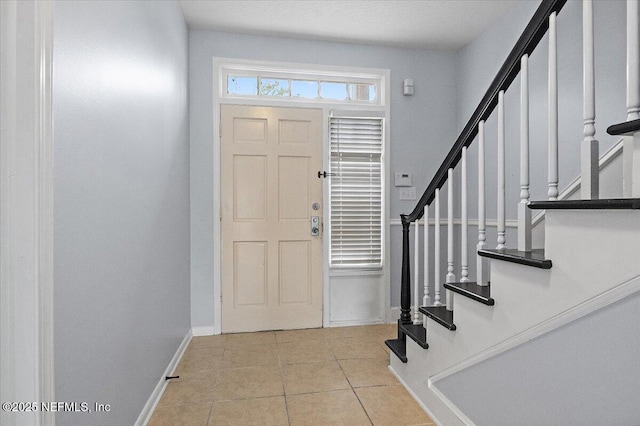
(154, 398)
(394, 314)
(203, 331)
(351, 323)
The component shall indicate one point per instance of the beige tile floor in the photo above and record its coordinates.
(328, 376)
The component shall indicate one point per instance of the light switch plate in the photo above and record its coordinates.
(408, 194)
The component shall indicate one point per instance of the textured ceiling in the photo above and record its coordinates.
(446, 25)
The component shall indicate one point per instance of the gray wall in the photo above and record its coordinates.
(478, 62)
(121, 212)
(422, 128)
(584, 373)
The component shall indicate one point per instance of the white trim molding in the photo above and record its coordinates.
(394, 314)
(458, 222)
(26, 208)
(154, 398)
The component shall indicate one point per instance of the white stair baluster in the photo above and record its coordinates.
(464, 272)
(589, 156)
(524, 213)
(553, 110)
(436, 253)
(426, 298)
(631, 145)
(633, 59)
(450, 267)
(482, 265)
(501, 173)
(416, 273)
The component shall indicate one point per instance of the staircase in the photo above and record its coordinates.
(590, 256)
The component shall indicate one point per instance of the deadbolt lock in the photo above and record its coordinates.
(315, 226)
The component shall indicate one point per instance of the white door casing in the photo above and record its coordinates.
(271, 264)
(26, 209)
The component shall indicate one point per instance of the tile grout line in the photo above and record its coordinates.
(325, 339)
(284, 391)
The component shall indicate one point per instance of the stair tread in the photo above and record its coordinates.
(533, 258)
(398, 347)
(608, 203)
(417, 333)
(472, 290)
(627, 128)
(439, 314)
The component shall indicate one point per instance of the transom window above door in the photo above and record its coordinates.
(297, 84)
(306, 89)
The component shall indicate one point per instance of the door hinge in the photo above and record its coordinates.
(220, 131)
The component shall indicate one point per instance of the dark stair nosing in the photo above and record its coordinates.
(533, 258)
(627, 128)
(398, 347)
(417, 333)
(604, 204)
(479, 293)
(440, 314)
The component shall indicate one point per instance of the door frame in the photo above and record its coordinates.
(327, 107)
(26, 208)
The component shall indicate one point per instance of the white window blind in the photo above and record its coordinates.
(356, 191)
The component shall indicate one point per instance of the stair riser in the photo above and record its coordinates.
(608, 242)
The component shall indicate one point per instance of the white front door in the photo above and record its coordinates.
(271, 262)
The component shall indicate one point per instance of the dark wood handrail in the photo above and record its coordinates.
(525, 45)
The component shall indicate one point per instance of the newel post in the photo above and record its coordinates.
(405, 286)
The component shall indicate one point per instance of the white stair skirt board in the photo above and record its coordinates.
(154, 398)
(530, 300)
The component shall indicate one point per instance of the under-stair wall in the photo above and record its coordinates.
(583, 373)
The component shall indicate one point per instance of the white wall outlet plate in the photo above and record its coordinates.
(408, 194)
